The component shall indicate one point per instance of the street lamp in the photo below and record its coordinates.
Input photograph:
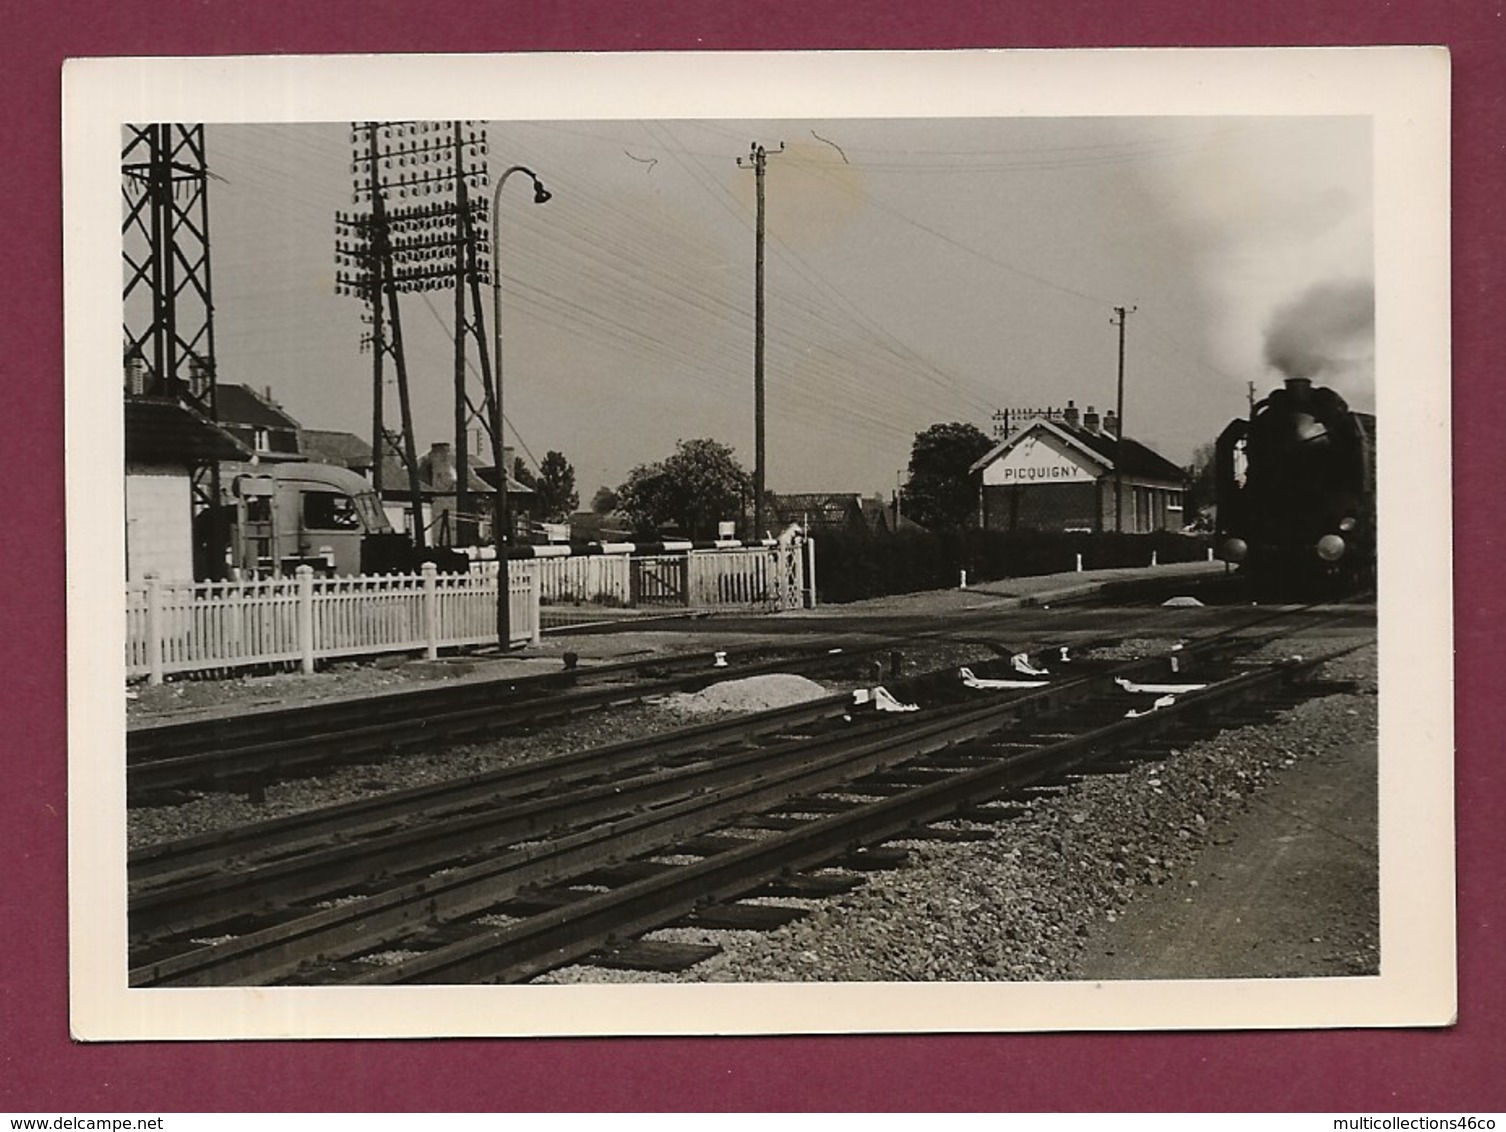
(502, 511)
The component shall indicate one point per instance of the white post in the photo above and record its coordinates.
(535, 592)
(305, 576)
(1153, 558)
(431, 611)
(153, 629)
(962, 580)
(1079, 563)
(810, 572)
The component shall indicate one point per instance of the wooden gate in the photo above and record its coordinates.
(660, 580)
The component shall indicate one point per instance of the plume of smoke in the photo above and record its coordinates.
(1326, 332)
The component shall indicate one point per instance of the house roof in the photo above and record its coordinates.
(1101, 447)
(823, 507)
(345, 449)
(160, 430)
(240, 404)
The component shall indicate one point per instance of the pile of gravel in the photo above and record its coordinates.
(749, 694)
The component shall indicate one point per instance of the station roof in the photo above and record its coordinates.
(160, 430)
(1139, 461)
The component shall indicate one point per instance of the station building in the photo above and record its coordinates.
(1055, 471)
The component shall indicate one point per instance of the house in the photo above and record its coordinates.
(824, 512)
(1057, 472)
(258, 422)
(343, 449)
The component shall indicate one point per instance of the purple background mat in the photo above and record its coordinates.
(41, 1070)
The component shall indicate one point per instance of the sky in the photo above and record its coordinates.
(918, 271)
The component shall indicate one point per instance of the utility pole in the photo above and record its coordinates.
(758, 158)
(420, 230)
(378, 332)
(1122, 314)
(463, 527)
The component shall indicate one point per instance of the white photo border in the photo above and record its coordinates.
(1405, 93)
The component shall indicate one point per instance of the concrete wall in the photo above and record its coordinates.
(1080, 506)
(159, 523)
(1038, 507)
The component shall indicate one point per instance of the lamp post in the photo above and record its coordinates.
(502, 511)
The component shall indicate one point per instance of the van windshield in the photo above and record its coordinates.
(371, 512)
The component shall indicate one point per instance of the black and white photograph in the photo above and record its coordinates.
(797, 543)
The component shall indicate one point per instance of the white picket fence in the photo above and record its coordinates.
(174, 627)
(196, 626)
(780, 576)
(595, 579)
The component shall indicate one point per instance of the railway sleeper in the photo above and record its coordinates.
(537, 903)
(992, 813)
(710, 844)
(808, 805)
(872, 859)
(777, 823)
(736, 916)
(940, 833)
(627, 872)
(655, 955)
(904, 776)
(808, 886)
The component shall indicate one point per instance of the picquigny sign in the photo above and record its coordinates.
(1040, 459)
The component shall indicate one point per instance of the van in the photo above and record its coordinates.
(278, 517)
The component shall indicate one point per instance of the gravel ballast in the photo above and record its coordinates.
(1035, 901)
(1027, 904)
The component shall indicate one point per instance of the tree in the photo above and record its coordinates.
(697, 487)
(1199, 503)
(523, 475)
(941, 493)
(604, 502)
(557, 497)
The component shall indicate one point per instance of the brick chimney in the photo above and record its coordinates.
(442, 466)
(1069, 414)
(1111, 423)
(1091, 421)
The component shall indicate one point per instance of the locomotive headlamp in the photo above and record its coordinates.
(1348, 524)
(1234, 550)
(1330, 548)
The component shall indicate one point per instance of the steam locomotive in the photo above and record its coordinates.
(1296, 494)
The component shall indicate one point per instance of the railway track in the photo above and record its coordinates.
(510, 876)
(247, 751)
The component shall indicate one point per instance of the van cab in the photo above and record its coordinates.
(299, 514)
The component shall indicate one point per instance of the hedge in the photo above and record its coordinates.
(852, 566)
